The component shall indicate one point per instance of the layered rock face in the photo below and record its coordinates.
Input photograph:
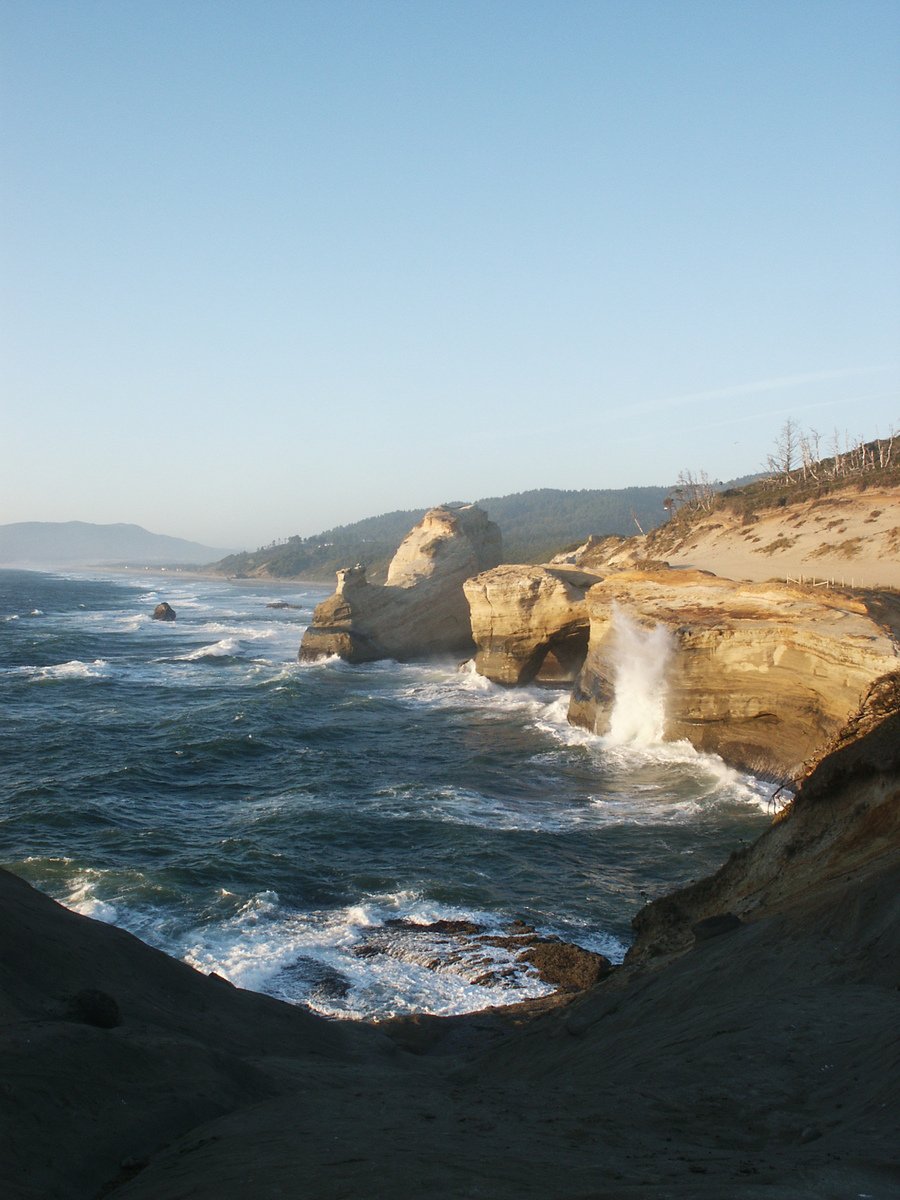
(843, 824)
(422, 609)
(762, 674)
(530, 622)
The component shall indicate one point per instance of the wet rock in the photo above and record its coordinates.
(567, 967)
(453, 928)
(164, 612)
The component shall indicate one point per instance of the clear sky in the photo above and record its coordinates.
(271, 266)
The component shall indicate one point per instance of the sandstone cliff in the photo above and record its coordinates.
(530, 622)
(422, 609)
(843, 822)
(762, 674)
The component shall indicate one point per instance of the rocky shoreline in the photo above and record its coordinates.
(762, 674)
(751, 1055)
(746, 1048)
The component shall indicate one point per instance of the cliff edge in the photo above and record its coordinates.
(762, 674)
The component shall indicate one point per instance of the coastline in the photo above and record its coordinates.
(756, 1063)
(169, 572)
(746, 1048)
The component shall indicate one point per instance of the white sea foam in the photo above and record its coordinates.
(75, 669)
(640, 659)
(348, 962)
(633, 745)
(81, 898)
(247, 633)
(225, 648)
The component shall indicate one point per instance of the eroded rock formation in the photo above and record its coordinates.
(843, 822)
(164, 612)
(762, 674)
(530, 622)
(422, 609)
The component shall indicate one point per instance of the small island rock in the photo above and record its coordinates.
(163, 612)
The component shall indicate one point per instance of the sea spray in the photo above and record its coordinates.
(640, 657)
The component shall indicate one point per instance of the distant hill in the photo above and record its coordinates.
(79, 543)
(535, 525)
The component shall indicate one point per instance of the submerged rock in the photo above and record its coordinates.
(164, 612)
(422, 609)
(462, 943)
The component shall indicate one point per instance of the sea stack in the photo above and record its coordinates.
(164, 612)
(422, 609)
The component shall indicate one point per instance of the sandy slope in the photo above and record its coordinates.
(851, 537)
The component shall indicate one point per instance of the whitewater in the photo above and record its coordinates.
(295, 827)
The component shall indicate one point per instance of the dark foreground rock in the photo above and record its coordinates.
(164, 612)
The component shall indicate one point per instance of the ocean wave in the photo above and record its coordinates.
(667, 763)
(76, 669)
(81, 897)
(225, 648)
(247, 633)
(466, 806)
(352, 962)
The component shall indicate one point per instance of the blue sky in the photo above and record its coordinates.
(268, 267)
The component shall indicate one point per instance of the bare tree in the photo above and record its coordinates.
(693, 491)
(784, 459)
(810, 454)
(886, 449)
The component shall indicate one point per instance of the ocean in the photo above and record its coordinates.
(294, 827)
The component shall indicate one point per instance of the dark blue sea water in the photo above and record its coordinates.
(194, 783)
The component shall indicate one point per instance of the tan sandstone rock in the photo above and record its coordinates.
(530, 622)
(763, 674)
(844, 820)
(421, 610)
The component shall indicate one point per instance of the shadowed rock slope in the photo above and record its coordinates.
(753, 1057)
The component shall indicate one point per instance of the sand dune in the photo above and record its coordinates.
(851, 538)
